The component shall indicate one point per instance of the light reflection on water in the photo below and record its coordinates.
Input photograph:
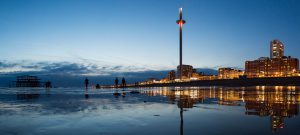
(169, 110)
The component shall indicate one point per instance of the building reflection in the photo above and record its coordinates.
(277, 102)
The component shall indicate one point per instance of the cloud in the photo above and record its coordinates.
(82, 69)
(64, 68)
(4, 64)
(71, 74)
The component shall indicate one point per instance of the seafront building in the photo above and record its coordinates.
(229, 73)
(276, 49)
(272, 67)
(186, 70)
(171, 75)
(277, 65)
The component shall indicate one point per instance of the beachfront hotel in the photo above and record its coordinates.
(277, 65)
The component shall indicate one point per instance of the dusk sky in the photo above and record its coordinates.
(138, 35)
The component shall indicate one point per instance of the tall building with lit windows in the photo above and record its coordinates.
(276, 49)
(277, 65)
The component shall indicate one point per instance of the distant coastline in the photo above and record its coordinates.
(268, 81)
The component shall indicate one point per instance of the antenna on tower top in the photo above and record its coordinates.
(182, 3)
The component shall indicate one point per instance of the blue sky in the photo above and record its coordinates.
(139, 35)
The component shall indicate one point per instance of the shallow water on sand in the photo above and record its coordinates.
(187, 110)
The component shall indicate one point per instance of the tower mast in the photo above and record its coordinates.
(180, 22)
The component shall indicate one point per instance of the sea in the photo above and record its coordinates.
(258, 110)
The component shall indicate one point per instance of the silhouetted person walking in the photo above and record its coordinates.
(86, 82)
(123, 82)
(116, 82)
(48, 84)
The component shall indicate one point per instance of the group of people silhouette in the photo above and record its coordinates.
(123, 83)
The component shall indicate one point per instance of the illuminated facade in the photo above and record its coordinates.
(152, 80)
(277, 65)
(186, 70)
(276, 49)
(229, 73)
(196, 75)
(171, 75)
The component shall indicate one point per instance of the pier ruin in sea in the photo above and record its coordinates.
(29, 81)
